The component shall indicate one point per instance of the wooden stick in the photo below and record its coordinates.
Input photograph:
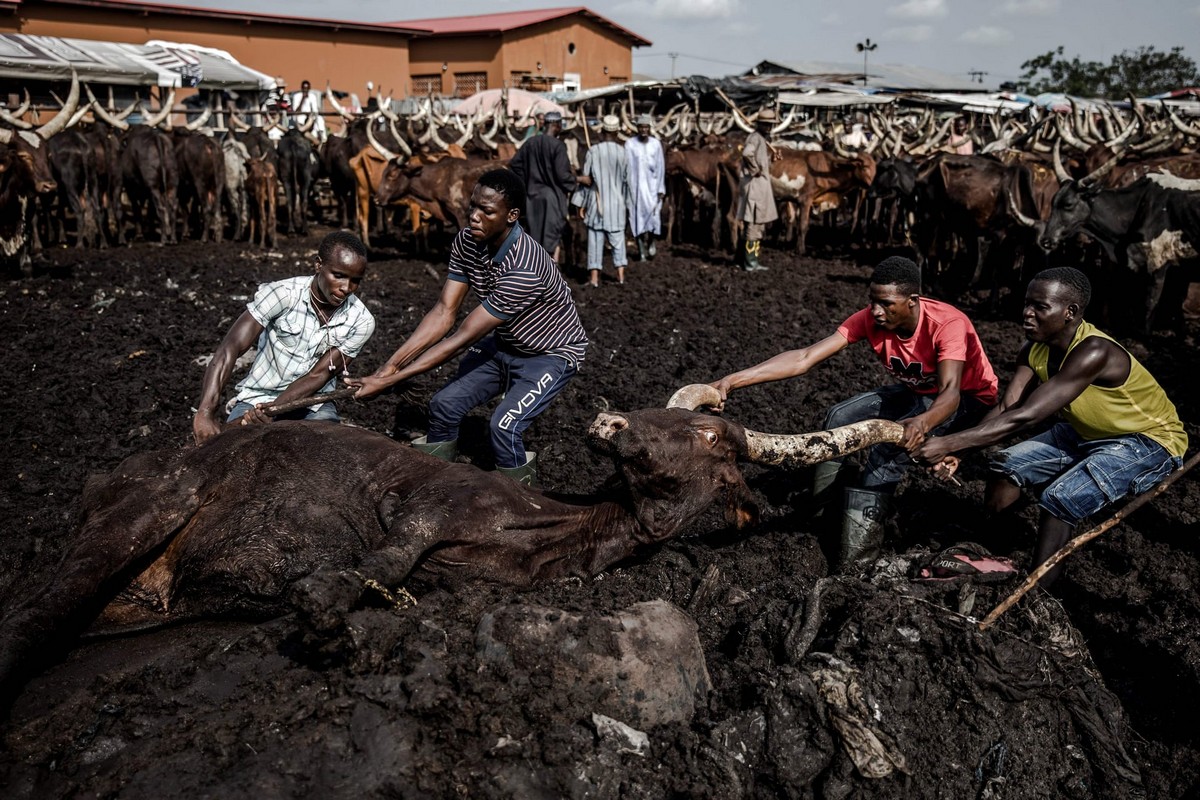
(1082, 539)
(275, 409)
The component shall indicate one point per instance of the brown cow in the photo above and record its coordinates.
(321, 513)
(816, 181)
(262, 188)
(442, 189)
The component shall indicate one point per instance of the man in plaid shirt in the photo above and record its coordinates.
(308, 331)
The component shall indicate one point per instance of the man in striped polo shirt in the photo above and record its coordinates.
(308, 330)
(524, 341)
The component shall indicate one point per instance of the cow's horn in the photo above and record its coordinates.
(60, 120)
(102, 113)
(399, 139)
(14, 117)
(163, 112)
(1015, 210)
(6, 135)
(383, 151)
(79, 114)
(308, 124)
(1060, 171)
(1098, 174)
(200, 120)
(1180, 125)
(335, 104)
(801, 449)
(694, 396)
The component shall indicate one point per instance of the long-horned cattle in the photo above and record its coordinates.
(1148, 226)
(314, 514)
(25, 174)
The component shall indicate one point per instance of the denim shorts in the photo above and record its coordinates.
(326, 412)
(1077, 477)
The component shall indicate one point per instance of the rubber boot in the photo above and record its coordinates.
(825, 475)
(526, 475)
(862, 525)
(641, 243)
(751, 264)
(446, 451)
(651, 249)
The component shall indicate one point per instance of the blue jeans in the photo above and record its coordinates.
(528, 383)
(326, 412)
(1081, 477)
(887, 463)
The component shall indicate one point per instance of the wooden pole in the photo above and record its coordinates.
(1082, 539)
(275, 409)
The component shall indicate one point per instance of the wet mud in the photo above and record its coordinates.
(862, 685)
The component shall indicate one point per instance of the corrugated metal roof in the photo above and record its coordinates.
(511, 20)
(895, 77)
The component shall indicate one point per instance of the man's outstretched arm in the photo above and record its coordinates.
(242, 334)
(785, 365)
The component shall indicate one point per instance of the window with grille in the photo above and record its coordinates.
(426, 84)
(468, 83)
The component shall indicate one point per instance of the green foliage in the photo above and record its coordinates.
(1140, 72)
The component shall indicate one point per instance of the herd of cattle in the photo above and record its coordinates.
(1126, 178)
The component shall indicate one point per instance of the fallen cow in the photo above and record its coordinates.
(314, 514)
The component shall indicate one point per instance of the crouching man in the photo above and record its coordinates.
(944, 382)
(524, 340)
(308, 329)
(1119, 436)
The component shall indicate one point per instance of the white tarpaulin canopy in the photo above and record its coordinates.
(166, 64)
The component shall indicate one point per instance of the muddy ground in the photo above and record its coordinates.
(1090, 692)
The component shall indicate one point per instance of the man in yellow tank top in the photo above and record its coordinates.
(1119, 434)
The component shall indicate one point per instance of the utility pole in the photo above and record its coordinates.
(864, 47)
(673, 57)
(976, 75)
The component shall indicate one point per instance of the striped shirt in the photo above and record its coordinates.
(522, 287)
(293, 338)
(608, 167)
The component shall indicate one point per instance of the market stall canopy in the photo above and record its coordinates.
(49, 58)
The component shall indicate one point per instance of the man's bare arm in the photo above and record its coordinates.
(789, 364)
(241, 335)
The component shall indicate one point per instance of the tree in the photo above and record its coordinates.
(1142, 71)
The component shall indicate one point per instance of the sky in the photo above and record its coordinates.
(727, 37)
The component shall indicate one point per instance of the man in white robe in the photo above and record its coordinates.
(647, 186)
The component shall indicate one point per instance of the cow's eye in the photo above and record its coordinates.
(711, 437)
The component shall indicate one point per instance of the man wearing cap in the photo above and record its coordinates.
(756, 200)
(543, 165)
(647, 186)
(606, 173)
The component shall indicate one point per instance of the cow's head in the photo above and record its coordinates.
(676, 464)
(1072, 203)
(397, 176)
(677, 461)
(25, 162)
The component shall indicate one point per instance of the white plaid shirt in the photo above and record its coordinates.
(293, 338)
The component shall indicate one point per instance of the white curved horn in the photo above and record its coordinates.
(59, 121)
(802, 449)
(383, 151)
(14, 117)
(163, 112)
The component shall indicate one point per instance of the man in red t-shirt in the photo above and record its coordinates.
(945, 382)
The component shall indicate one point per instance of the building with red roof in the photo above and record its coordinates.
(571, 46)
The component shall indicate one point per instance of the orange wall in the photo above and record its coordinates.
(348, 59)
(596, 47)
(459, 54)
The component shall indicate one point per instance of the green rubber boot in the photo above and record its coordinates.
(446, 451)
(862, 525)
(526, 475)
